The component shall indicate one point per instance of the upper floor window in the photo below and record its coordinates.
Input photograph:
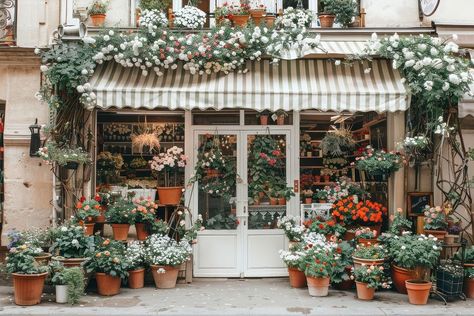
(7, 22)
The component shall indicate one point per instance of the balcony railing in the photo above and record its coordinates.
(7, 22)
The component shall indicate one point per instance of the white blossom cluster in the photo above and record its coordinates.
(189, 17)
(419, 141)
(442, 127)
(295, 18)
(292, 227)
(151, 20)
(134, 255)
(88, 97)
(162, 250)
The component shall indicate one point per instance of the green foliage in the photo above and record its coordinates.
(21, 260)
(72, 277)
(86, 211)
(399, 223)
(63, 155)
(373, 276)
(435, 218)
(411, 251)
(370, 252)
(69, 241)
(341, 271)
(220, 221)
(337, 143)
(468, 255)
(109, 262)
(344, 10)
(160, 5)
(159, 227)
(121, 212)
(98, 7)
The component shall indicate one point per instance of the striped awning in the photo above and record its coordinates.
(289, 85)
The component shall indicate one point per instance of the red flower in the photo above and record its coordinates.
(82, 199)
(97, 198)
(276, 152)
(272, 162)
(263, 155)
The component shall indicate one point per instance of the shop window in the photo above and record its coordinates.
(268, 118)
(213, 117)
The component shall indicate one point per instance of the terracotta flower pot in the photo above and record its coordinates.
(436, 233)
(297, 278)
(89, 229)
(318, 286)
(166, 280)
(98, 19)
(322, 201)
(43, 259)
(418, 291)
(142, 232)
(469, 287)
(72, 262)
(240, 20)
(263, 119)
(358, 262)
(349, 235)
(281, 120)
(170, 195)
(120, 231)
(258, 15)
(399, 276)
(327, 20)
(270, 20)
(281, 201)
(101, 218)
(136, 278)
(317, 179)
(107, 285)
(367, 241)
(28, 288)
(363, 292)
(273, 201)
(308, 200)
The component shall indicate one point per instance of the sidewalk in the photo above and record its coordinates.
(262, 297)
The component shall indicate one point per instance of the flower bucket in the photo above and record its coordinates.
(358, 262)
(170, 195)
(297, 278)
(399, 276)
(469, 287)
(98, 19)
(120, 231)
(166, 280)
(418, 291)
(318, 286)
(326, 20)
(241, 21)
(61, 294)
(72, 262)
(107, 285)
(43, 259)
(142, 232)
(89, 229)
(136, 278)
(363, 292)
(28, 288)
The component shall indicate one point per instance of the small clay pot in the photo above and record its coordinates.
(142, 232)
(297, 278)
(107, 285)
(363, 292)
(120, 231)
(418, 291)
(136, 278)
(318, 286)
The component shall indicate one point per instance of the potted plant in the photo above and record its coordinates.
(399, 224)
(239, 14)
(295, 262)
(145, 216)
(435, 222)
(337, 143)
(306, 147)
(308, 196)
(329, 228)
(263, 117)
(327, 14)
(342, 270)
(449, 278)
(469, 282)
(413, 256)
(86, 213)
(292, 228)
(164, 255)
(321, 195)
(110, 269)
(71, 245)
(370, 214)
(109, 166)
(97, 12)
(38, 240)
(366, 236)
(66, 157)
(454, 229)
(189, 16)
(158, 5)
(68, 282)
(169, 164)
(28, 276)
(279, 117)
(339, 11)
(368, 279)
(221, 14)
(258, 13)
(121, 215)
(135, 261)
(295, 18)
(369, 255)
(379, 164)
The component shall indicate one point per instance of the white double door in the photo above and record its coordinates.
(241, 238)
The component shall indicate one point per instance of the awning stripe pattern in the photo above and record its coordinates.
(288, 85)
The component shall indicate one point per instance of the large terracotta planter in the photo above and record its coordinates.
(436, 233)
(120, 231)
(318, 286)
(98, 19)
(399, 276)
(363, 292)
(28, 288)
(358, 262)
(136, 278)
(166, 280)
(107, 285)
(240, 20)
(142, 232)
(469, 287)
(418, 291)
(170, 195)
(297, 278)
(89, 229)
(326, 20)
(72, 262)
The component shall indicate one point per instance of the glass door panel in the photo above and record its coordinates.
(216, 177)
(267, 180)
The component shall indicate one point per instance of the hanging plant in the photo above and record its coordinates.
(337, 142)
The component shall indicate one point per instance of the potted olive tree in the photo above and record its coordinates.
(28, 275)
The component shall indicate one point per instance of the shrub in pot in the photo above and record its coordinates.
(145, 216)
(86, 213)
(121, 215)
(368, 279)
(340, 11)
(295, 262)
(435, 222)
(71, 244)
(68, 282)
(413, 256)
(28, 275)
(110, 269)
(135, 261)
(369, 255)
(164, 255)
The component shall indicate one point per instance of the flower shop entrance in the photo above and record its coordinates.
(241, 238)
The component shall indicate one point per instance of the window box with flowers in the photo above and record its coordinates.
(97, 12)
(145, 216)
(120, 216)
(170, 163)
(435, 221)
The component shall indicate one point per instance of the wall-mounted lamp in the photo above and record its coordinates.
(35, 142)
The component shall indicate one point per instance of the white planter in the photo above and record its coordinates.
(61, 294)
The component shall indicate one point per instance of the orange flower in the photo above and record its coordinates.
(79, 205)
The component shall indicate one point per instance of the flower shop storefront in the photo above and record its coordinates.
(245, 136)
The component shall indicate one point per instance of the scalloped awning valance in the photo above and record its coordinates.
(289, 85)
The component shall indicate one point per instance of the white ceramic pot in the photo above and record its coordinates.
(61, 294)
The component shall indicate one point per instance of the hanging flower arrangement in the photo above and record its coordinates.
(379, 162)
(151, 20)
(295, 18)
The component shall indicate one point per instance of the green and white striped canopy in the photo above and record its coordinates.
(289, 85)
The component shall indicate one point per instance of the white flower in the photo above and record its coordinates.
(367, 70)
(445, 86)
(106, 38)
(454, 79)
(43, 68)
(80, 89)
(337, 62)
(409, 63)
(88, 40)
(84, 72)
(37, 51)
(428, 85)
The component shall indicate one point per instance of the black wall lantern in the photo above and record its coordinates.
(35, 142)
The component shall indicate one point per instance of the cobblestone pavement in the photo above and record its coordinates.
(213, 297)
